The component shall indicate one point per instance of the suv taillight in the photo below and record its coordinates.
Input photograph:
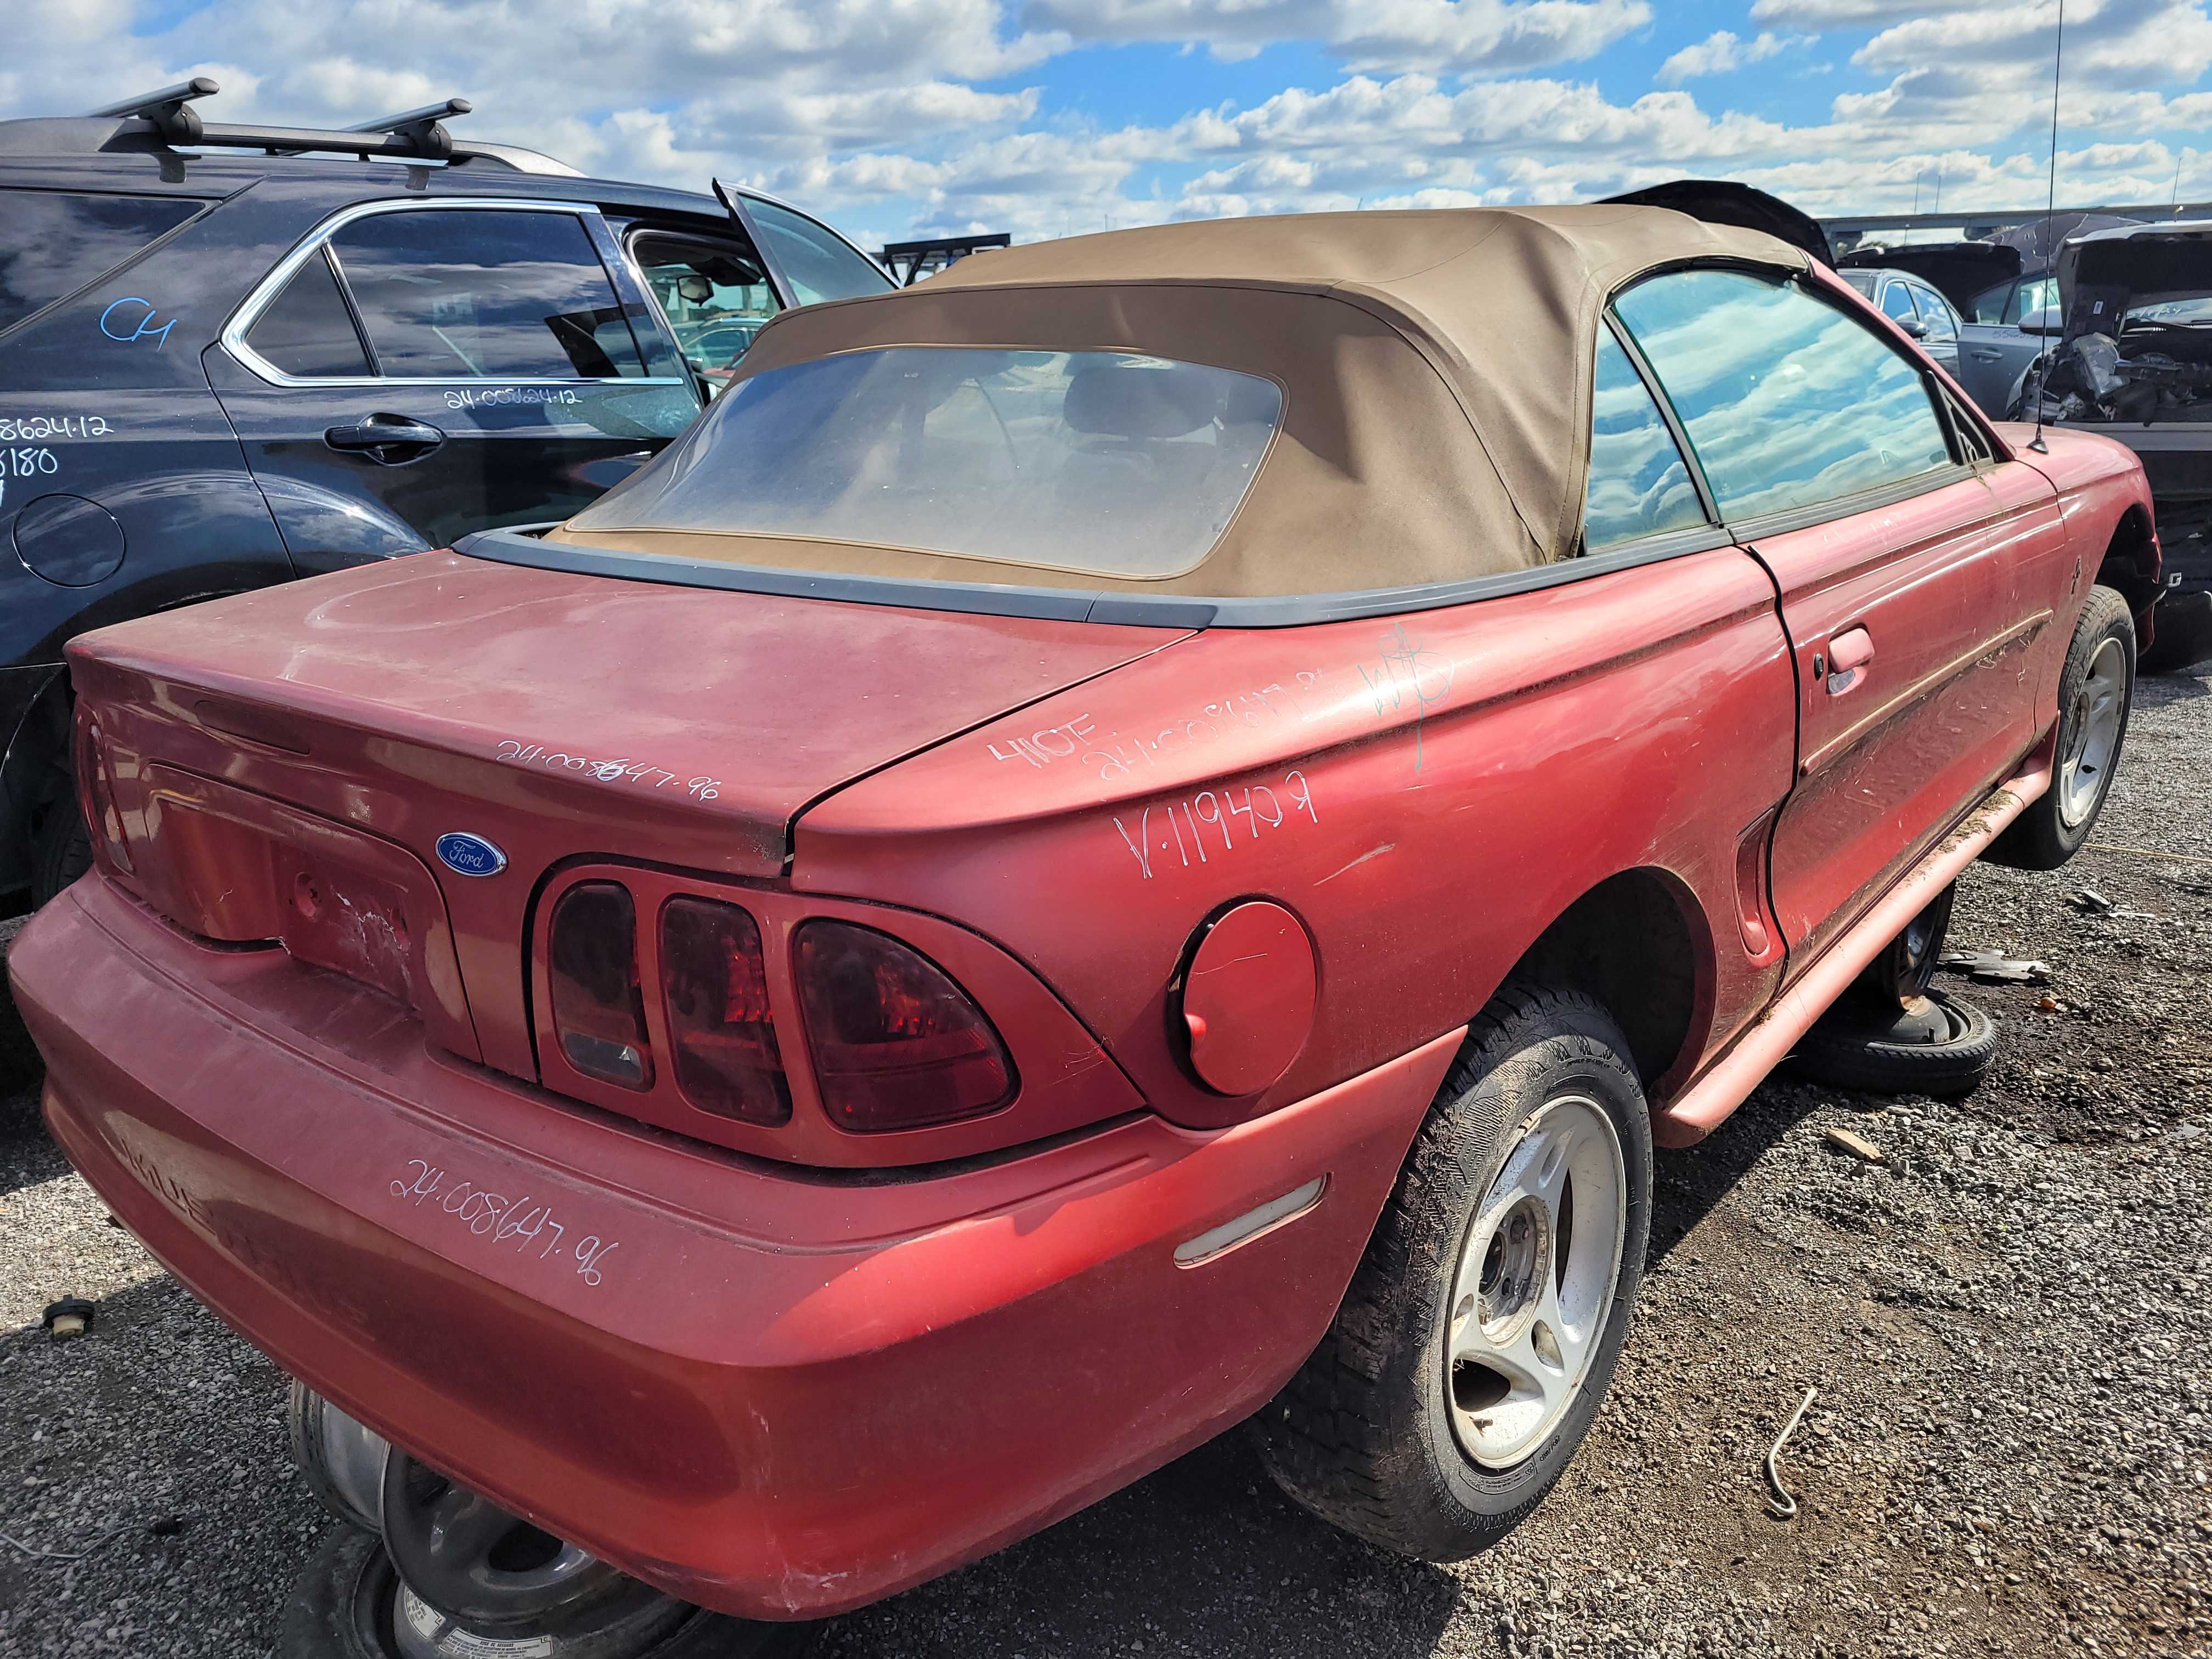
(721, 1031)
(896, 1044)
(597, 1015)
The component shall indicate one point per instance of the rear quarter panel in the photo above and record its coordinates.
(1443, 785)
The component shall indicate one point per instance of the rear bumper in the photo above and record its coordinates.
(777, 1396)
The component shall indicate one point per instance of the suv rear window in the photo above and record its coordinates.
(485, 294)
(53, 242)
(1109, 463)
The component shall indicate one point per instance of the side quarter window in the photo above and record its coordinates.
(1988, 306)
(1789, 402)
(1638, 483)
(307, 331)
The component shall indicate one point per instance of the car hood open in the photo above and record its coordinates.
(2101, 273)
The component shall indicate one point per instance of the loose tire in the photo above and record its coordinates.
(1938, 1046)
(2095, 690)
(1455, 1320)
(349, 1603)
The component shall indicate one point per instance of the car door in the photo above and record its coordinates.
(1993, 351)
(419, 369)
(1897, 556)
(810, 262)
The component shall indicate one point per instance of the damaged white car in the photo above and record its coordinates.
(2133, 360)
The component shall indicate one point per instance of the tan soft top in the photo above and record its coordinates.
(1436, 368)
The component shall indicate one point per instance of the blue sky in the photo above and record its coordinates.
(1041, 117)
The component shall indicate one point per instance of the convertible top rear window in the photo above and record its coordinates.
(1109, 463)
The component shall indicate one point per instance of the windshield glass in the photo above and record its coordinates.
(1104, 462)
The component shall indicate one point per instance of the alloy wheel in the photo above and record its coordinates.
(2098, 709)
(1535, 1283)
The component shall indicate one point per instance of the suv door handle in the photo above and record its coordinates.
(1848, 653)
(389, 440)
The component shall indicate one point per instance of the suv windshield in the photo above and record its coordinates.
(1105, 462)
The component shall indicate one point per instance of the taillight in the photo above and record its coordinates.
(721, 1031)
(93, 798)
(599, 1017)
(895, 1043)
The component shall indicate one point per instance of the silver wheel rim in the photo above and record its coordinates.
(2098, 706)
(1535, 1282)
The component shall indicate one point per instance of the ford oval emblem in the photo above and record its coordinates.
(470, 855)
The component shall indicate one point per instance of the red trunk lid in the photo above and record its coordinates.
(553, 715)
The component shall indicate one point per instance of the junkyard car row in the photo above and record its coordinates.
(1133, 838)
(241, 368)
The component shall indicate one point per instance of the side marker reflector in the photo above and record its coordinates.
(1219, 1241)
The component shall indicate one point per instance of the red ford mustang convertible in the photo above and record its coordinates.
(1143, 834)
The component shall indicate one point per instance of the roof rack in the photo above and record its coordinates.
(166, 111)
(414, 135)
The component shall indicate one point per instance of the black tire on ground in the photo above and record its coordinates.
(344, 1603)
(1362, 1436)
(1875, 1054)
(2181, 634)
(22, 1065)
(1901, 974)
(2041, 837)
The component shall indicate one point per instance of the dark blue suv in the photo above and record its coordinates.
(234, 355)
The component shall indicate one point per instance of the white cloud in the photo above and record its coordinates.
(896, 117)
(1488, 35)
(1853, 14)
(1720, 53)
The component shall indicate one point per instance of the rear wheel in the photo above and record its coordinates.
(61, 844)
(2095, 689)
(1481, 1328)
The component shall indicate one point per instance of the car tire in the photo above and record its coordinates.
(2095, 690)
(61, 848)
(1901, 974)
(1938, 1046)
(22, 1065)
(1373, 1434)
(2181, 634)
(345, 1605)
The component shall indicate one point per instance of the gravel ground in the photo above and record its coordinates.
(2007, 1321)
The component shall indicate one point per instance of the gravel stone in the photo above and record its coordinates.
(2008, 1322)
